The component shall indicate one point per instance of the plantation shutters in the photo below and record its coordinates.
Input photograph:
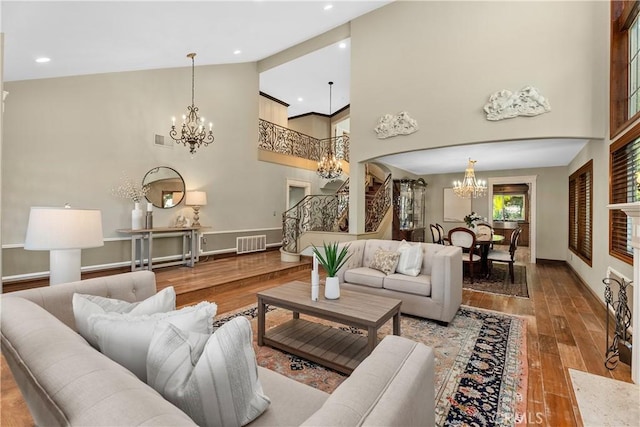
(625, 164)
(580, 212)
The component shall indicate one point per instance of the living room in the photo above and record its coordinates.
(71, 139)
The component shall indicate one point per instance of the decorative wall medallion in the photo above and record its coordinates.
(390, 125)
(505, 104)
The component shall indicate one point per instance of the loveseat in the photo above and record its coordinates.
(65, 381)
(434, 293)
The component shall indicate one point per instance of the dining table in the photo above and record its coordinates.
(485, 241)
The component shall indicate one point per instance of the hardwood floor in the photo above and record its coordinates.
(565, 326)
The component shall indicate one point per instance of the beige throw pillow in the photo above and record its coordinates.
(213, 379)
(385, 261)
(410, 262)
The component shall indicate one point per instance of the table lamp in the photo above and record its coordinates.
(196, 199)
(63, 232)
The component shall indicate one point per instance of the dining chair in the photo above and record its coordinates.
(507, 257)
(466, 239)
(435, 234)
(444, 240)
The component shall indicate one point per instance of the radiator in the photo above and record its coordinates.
(248, 244)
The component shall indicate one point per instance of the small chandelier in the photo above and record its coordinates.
(469, 187)
(193, 132)
(329, 167)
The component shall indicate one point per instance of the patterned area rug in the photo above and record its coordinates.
(480, 363)
(498, 281)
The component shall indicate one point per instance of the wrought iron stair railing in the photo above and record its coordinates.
(312, 213)
(330, 213)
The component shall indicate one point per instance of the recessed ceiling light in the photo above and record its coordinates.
(300, 99)
(342, 45)
(237, 52)
(42, 60)
(329, 6)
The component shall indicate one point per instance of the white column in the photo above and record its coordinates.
(633, 211)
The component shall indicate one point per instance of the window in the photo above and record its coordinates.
(624, 159)
(580, 211)
(508, 207)
(625, 64)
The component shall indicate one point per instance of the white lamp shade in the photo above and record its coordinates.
(63, 228)
(196, 198)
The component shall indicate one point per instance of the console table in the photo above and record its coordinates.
(143, 239)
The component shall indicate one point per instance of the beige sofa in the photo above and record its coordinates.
(66, 382)
(436, 293)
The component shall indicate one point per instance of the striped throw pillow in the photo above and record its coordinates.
(213, 379)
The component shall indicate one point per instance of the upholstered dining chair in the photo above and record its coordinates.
(435, 234)
(466, 239)
(444, 240)
(507, 257)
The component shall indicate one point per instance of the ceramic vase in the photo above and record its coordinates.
(137, 218)
(332, 288)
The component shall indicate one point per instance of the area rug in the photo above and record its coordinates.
(480, 363)
(498, 281)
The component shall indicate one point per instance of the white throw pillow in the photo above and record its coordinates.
(85, 305)
(125, 338)
(213, 379)
(410, 262)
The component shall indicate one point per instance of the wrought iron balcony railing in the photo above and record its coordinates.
(282, 140)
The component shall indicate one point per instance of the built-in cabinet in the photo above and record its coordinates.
(409, 209)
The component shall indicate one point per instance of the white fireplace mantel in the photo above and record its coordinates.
(633, 211)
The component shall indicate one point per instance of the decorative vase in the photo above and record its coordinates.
(137, 221)
(332, 288)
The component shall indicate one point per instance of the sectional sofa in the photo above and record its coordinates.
(434, 292)
(65, 381)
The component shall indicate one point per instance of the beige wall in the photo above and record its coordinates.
(68, 140)
(272, 111)
(314, 125)
(406, 57)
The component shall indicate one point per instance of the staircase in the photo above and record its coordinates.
(330, 214)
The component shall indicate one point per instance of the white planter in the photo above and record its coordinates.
(137, 221)
(332, 288)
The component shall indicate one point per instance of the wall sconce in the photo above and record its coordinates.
(196, 199)
(63, 232)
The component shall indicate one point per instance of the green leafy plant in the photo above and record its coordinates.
(332, 260)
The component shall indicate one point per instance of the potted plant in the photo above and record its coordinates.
(332, 260)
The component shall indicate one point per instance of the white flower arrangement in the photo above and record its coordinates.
(471, 218)
(128, 190)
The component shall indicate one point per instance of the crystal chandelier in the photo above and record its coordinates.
(469, 187)
(193, 131)
(329, 167)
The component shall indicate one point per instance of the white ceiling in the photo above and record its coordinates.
(88, 37)
(532, 153)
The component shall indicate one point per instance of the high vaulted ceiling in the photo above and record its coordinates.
(88, 37)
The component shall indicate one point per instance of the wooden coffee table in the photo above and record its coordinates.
(331, 347)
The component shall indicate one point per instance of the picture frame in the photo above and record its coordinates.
(455, 208)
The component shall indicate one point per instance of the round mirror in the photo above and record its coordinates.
(166, 187)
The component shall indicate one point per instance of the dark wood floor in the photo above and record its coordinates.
(565, 326)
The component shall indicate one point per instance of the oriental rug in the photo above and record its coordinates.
(480, 363)
(498, 281)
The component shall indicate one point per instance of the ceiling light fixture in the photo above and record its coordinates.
(328, 7)
(193, 132)
(342, 45)
(237, 52)
(469, 187)
(330, 167)
(43, 60)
